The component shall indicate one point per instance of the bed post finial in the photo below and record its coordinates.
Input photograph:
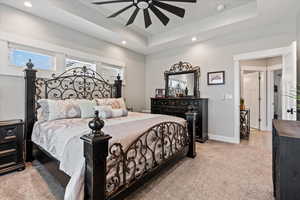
(96, 124)
(118, 86)
(30, 111)
(191, 116)
(29, 65)
(95, 152)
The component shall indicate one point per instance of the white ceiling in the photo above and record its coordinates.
(201, 20)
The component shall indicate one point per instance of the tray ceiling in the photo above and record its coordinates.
(193, 12)
(202, 20)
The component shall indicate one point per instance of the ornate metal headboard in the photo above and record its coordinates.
(75, 83)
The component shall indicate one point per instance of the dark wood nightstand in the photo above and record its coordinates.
(11, 146)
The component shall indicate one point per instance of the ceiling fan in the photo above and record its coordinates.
(145, 5)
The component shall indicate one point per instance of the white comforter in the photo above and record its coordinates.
(61, 138)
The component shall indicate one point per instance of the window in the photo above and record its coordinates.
(72, 63)
(19, 58)
(110, 72)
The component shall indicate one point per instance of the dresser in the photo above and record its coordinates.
(286, 160)
(179, 106)
(11, 146)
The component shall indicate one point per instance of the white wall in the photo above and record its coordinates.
(215, 55)
(25, 25)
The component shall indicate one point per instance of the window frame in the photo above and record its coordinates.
(12, 47)
(108, 65)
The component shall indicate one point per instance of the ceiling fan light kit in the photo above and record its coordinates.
(145, 5)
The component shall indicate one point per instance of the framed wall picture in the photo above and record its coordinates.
(216, 78)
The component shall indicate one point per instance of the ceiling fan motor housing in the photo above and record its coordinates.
(142, 4)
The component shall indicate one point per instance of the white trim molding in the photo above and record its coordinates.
(261, 54)
(223, 138)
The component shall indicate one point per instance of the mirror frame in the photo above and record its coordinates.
(183, 68)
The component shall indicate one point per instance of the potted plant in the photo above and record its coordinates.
(242, 104)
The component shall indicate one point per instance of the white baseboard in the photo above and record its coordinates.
(223, 138)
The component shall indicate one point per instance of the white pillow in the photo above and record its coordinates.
(119, 112)
(105, 112)
(87, 108)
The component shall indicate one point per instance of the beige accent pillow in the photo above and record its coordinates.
(115, 103)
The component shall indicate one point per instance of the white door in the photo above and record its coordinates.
(251, 97)
(289, 83)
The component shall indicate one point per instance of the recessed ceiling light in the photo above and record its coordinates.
(124, 42)
(194, 39)
(220, 7)
(28, 4)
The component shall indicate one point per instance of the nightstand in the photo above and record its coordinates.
(11, 146)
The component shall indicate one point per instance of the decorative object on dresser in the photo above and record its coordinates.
(216, 78)
(11, 146)
(244, 124)
(112, 170)
(286, 160)
(159, 93)
(179, 100)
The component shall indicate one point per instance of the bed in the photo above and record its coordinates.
(95, 158)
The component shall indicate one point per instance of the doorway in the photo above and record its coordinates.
(260, 90)
(289, 81)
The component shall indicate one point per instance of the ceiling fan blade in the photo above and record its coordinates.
(183, 1)
(133, 16)
(161, 16)
(147, 18)
(120, 11)
(107, 2)
(172, 9)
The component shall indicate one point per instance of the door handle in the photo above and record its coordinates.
(290, 111)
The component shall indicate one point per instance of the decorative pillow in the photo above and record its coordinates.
(43, 110)
(58, 109)
(87, 108)
(105, 112)
(119, 112)
(115, 103)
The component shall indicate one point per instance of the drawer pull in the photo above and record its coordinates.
(10, 132)
(10, 137)
(7, 164)
(7, 151)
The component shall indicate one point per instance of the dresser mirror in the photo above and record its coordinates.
(182, 80)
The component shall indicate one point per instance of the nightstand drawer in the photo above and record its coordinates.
(7, 161)
(8, 133)
(8, 149)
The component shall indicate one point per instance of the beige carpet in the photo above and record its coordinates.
(220, 172)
